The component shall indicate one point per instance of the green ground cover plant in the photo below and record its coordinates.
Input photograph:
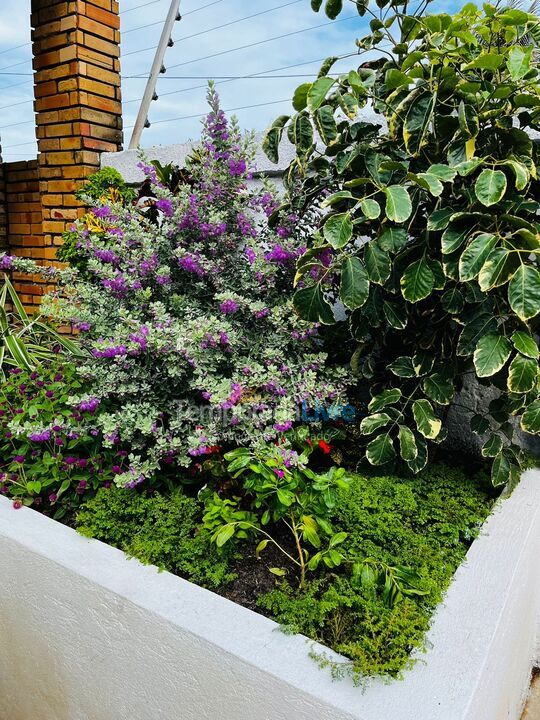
(404, 537)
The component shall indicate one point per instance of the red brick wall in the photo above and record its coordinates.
(78, 111)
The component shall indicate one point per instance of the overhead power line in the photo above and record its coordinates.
(198, 115)
(16, 47)
(160, 22)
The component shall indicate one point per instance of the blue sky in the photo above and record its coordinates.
(181, 90)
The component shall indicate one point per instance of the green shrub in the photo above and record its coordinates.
(157, 530)
(424, 523)
(428, 221)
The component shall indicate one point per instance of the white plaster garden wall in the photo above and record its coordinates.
(86, 634)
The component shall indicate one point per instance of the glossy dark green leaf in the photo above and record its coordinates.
(417, 281)
(492, 446)
(374, 422)
(396, 314)
(273, 138)
(403, 367)
(392, 239)
(490, 187)
(427, 422)
(300, 97)
(475, 255)
(317, 92)
(530, 420)
(453, 301)
(326, 124)
(311, 305)
(407, 444)
(398, 203)
(522, 374)
(491, 354)
(388, 397)
(439, 389)
(417, 122)
(380, 450)
(524, 292)
(525, 344)
(377, 263)
(354, 289)
(338, 230)
(440, 219)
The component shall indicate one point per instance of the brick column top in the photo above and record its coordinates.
(77, 100)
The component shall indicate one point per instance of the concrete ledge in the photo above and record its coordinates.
(86, 634)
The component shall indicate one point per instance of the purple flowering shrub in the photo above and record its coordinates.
(186, 315)
(51, 453)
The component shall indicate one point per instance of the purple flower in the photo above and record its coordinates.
(283, 427)
(6, 262)
(279, 255)
(102, 212)
(89, 405)
(166, 206)
(106, 256)
(42, 436)
(237, 167)
(191, 264)
(251, 255)
(70, 460)
(19, 458)
(228, 307)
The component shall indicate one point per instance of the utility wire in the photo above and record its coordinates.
(260, 42)
(160, 22)
(17, 47)
(259, 75)
(243, 47)
(152, 2)
(197, 115)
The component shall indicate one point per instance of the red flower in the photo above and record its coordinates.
(309, 442)
(325, 447)
(17, 504)
(213, 449)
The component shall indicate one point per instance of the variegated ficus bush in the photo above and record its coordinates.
(429, 221)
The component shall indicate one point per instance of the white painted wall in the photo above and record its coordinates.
(86, 634)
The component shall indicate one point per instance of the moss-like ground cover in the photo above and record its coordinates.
(424, 523)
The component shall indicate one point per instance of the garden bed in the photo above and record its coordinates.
(76, 616)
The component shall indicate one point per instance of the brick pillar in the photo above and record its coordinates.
(77, 100)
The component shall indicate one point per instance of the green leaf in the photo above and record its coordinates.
(420, 462)
(273, 138)
(490, 187)
(417, 122)
(440, 219)
(427, 422)
(300, 134)
(280, 572)
(521, 173)
(467, 167)
(417, 281)
(316, 5)
(387, 397)
(443, 172)
(403, 367)
(310, 305)
(479, 424)
(525, 344)
(519, 61)
(338, 230)
(393, 239)
(224, 534)
(326, 124)
(452, 301)
(522, 374)
(396, 314)
(492, 446)
(428, 182)
(475, 255)
(439, 389)
(333, 8)
(530, 420)
(474, 329)
(354, 289)
(398, 203)
(491, 354)
(468, 121)
(395, 78)
(260, 547)
(500, 470)
(371, 423)
(371, 209)
(453, 238)
(486, 61)
(380, 450)
(407, 444)
(300, 96)
(378, 263)
(524, 292)
(317, 92)
(498, 269)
